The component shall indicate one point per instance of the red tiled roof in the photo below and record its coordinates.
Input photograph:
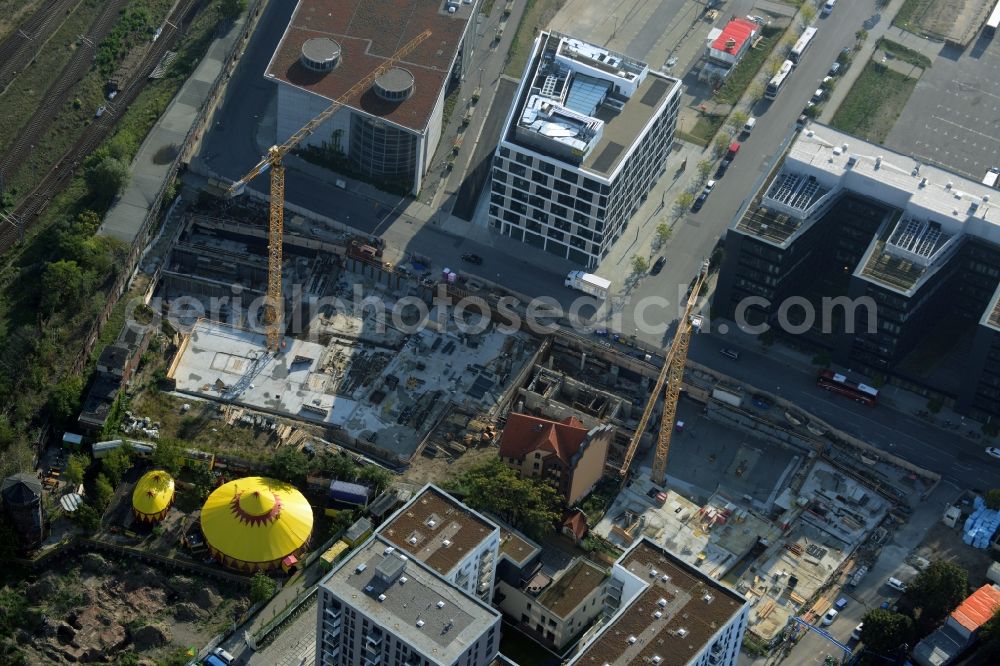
(977, 608)
(577, 524)
(739, 30)
(524, 434)
(369, 33)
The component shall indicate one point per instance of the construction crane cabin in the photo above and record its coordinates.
(273, 315)
(669, 381)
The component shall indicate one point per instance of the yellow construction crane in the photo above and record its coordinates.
(671, 375)
(274, 302)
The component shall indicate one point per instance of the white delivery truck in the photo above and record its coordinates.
(588, 283)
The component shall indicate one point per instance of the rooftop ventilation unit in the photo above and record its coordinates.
(923, 182)
(843, 147)
(878, 161)
(852, 160)
(664, 578)
(388, 550)
(440, 604)
(412, 541)
(431, 523)
(682, 632)
(986, 198)
(632, 640)
(403, 579)
(381, 597)
(446, 543)
(658, 614)
(657, 659)
(662, 603)
(361, 567)
(708, 598)
(420, 623)
(652, 573)
(948, 185)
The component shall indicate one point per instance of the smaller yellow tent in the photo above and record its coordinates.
(153, 495)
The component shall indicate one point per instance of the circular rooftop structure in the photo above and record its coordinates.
(254, 523)
(153, 495)
(395, 85)
(320, 54)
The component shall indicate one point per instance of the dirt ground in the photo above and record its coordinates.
(96, 608)
(954, 20)
(945, 543)
(435, 470)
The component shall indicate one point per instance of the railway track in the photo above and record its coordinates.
(13, 227)
(21, 46)
(61, 89)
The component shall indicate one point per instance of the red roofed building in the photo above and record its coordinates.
(959, 631)
(726, 47)
(563, 451)
(389, 131)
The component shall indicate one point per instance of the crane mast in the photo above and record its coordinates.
(274, 302)
(672, 377)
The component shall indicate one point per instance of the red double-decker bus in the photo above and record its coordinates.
(838, 383)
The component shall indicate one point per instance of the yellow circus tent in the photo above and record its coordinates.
(254, 523)
(153, 495)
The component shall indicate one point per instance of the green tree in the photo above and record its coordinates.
(87, 518)
(721, 145)
(64, 399)
(531, 505)
(939, 589)
(335, 465)
(203, 481)
(808, 11)
(737, 119)
(12, 608)
(683, 203)
(231, 8)
(116, 463)
(262, 587)
(106, 179)
(755, 92)
(123, 146)
(989, 638)
(885, 631)
(376, 477)
(103, 492)
(639, 265)
(63, 285)
(663, 233)
(289, 465)
(168, 456)
(76, 467)
(704, 169)
(992, 499)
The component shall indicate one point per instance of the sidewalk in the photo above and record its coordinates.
(847, 79)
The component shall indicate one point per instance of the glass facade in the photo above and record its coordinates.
(381, 150)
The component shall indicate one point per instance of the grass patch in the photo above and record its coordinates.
(487, 8)
(905, 53)
(704, 129)
(743, 75)
(16, 12)
(537, 14)
(874, 102)
(909, 15)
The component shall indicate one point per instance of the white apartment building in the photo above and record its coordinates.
(665, 612)
(380, 607)
(460, 544)
(586, 139)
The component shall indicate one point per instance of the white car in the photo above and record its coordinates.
(856, 634)
(896, 584)
(830, 616)
(993, 451)
(224, 656)
(710, 185)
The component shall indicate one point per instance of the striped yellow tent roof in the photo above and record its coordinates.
(153, 494)
(256, 520)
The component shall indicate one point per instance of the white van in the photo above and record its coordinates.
(750, 124)
(827, 8)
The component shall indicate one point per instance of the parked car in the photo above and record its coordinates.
(734, 148)
(856, 634)
(818, 96)
(224, 656)
(896, 584)
(830, 616)
(473, 259)
(100, 111)
(699, 202)
(834, 69)
(993, 451)
(749, 125)
(658, 265)
(723, 167)
(709, 186)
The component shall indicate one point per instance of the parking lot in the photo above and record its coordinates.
(953, 117)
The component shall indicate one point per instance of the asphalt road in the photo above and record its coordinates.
(958, 460)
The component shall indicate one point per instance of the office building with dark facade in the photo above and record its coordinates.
(586, 139)
(844, 217)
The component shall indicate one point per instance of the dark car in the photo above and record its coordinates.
(658, 266)
(699, 202)
(834, 69)
(473, 259)
(723, 167)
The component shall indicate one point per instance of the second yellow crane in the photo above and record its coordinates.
(671, 377)
(274, 301)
